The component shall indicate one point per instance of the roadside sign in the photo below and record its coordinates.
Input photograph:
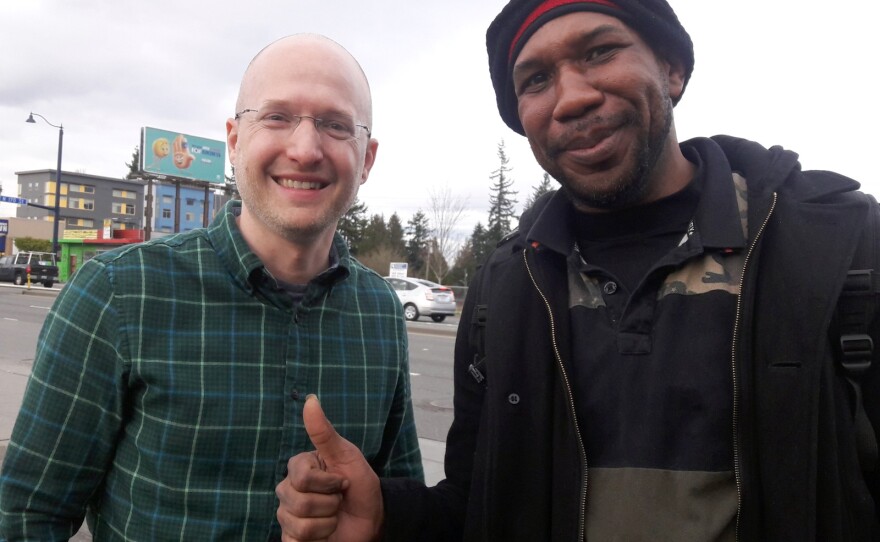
(397, 269)
(10, 199)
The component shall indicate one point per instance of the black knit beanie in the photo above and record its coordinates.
(654, 20)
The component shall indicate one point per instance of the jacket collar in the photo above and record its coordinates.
(549, 223)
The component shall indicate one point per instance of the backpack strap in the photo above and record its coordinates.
(477, 368)
(856, 310)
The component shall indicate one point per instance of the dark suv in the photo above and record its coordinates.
(41, 266)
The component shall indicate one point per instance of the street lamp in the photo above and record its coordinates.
(57, 177)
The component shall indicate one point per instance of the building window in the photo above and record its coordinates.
(168, 200)
(87, 189)
(190, 201)
(127, 194)
(166, 213)
(189, 217)
(82, 203)
(123, 208)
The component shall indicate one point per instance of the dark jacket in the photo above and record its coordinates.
(515, 462)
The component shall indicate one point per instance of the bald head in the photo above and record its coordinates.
(307, 56)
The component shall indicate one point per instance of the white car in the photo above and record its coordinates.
(423, 298)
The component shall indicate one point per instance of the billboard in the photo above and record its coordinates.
(182, 155)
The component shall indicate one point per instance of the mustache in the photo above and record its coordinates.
(586, 132)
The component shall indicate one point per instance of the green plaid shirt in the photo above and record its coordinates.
(167, 389)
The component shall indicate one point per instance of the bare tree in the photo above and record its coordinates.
(446, 212)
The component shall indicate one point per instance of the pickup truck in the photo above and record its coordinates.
(41, 266)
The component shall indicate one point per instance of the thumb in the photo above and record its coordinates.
(328, 443)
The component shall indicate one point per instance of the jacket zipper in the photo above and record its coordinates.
(737, 468)
(569, 396)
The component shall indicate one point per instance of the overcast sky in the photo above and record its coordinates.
(796, 73)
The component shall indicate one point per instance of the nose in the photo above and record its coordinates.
(304, 143)
(576, 94)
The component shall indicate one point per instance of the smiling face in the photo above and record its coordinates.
(596, 105)
(297, 183)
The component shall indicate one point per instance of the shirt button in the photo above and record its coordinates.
(294, 395)
(513, 399)
(610, 287)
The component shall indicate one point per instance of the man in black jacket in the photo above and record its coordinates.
(655, 347)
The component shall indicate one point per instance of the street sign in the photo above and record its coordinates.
(10, 199)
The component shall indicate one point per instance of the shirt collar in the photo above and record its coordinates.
(246, 267)
(717, 217)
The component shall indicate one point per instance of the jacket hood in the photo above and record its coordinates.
(774, 170)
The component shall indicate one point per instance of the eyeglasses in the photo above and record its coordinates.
(337, 126)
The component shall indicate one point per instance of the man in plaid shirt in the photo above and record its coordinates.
(167, 392)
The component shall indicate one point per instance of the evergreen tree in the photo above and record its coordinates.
(419, 232)
(482, 243)
(396, 235)
(134, 167)
(502, 200)
(472, 254)
(352, 224)
(375, 235)
(539, 190)
(382, 244)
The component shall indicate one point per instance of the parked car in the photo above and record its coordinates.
(423, 298)
(41, 266)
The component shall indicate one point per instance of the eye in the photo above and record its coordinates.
(532, 83)
(275, 116)
(601, 52)
(271, 119)
(338, 127)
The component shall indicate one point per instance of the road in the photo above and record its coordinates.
(430, 355)
(430, 349)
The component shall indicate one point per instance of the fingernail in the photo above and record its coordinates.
(313, 396)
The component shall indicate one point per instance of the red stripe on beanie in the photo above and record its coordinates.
(543, 8)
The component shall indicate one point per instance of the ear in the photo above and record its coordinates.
(676, 74)
(231, 138)
(369, 158)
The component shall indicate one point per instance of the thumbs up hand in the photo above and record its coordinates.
(332, 493)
